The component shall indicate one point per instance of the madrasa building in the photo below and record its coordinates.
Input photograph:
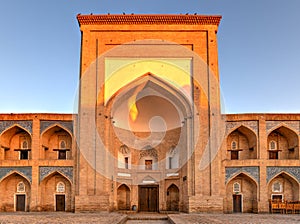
(149, 134)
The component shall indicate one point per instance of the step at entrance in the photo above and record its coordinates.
(146, 218)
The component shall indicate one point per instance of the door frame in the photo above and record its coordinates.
(55, 201)
(15, 201)
(149, 185)
(241, 202)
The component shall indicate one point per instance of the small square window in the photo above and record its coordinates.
(273, 155)
(62, 154)
(277, 197)
(23, 154)
(148, 164)
(234, 155)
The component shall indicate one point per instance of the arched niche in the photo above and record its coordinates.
(243, 199)
(173, 198)
(15, 143)
(123, 197)
(283, 187)
(242, 144)
(56, 143)
(53, 196)
(17, 193)
(283, 144)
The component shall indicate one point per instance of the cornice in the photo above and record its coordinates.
(148, 19)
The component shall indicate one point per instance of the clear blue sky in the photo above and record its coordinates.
(258, 44)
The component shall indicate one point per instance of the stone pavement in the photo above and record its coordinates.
(245, 218)
(62, 217)
(118, 218)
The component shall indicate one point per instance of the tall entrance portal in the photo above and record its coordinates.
(145, 110)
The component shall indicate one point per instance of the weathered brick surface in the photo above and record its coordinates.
(209, 165)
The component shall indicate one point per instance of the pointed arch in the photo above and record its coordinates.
(58, 126)
(18, 126)
(284, 130)
(123, 183)
(150, 75)
(162, 89)
(175, 185)
(49, 175)
(281, 125)
(15, 172)
(283, 173)
(242, 126)
(242, 173)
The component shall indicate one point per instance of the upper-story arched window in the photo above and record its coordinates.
(272, 145)
(62, 144)
(21, 187)
(233, 145)
(172, 161)
(277, 187)
(124, 157)
(24, 144)
(236, 187)
(60, 187)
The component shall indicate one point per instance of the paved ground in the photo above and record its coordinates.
(235, 218)
(116, 218)
(61, 217)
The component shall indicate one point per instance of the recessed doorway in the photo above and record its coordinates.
(148, 198)
(20, 202)
(60, 202)
(237, 203)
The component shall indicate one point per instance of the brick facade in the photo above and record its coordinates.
(149, 135)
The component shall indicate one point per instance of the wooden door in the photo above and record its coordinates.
(20, 203)
(60, 203)
(123, 197)
(148, 198)
(173, 198)
(237, 203)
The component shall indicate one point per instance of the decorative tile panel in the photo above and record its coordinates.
(65, 170)
(27, 125)
(26, 171)
(252, 171)
(273, 171)
(295, 125)
(231, 125)
(66, 124)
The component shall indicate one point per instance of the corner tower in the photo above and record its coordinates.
(149, 109)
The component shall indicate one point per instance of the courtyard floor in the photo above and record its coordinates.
(117, 218)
